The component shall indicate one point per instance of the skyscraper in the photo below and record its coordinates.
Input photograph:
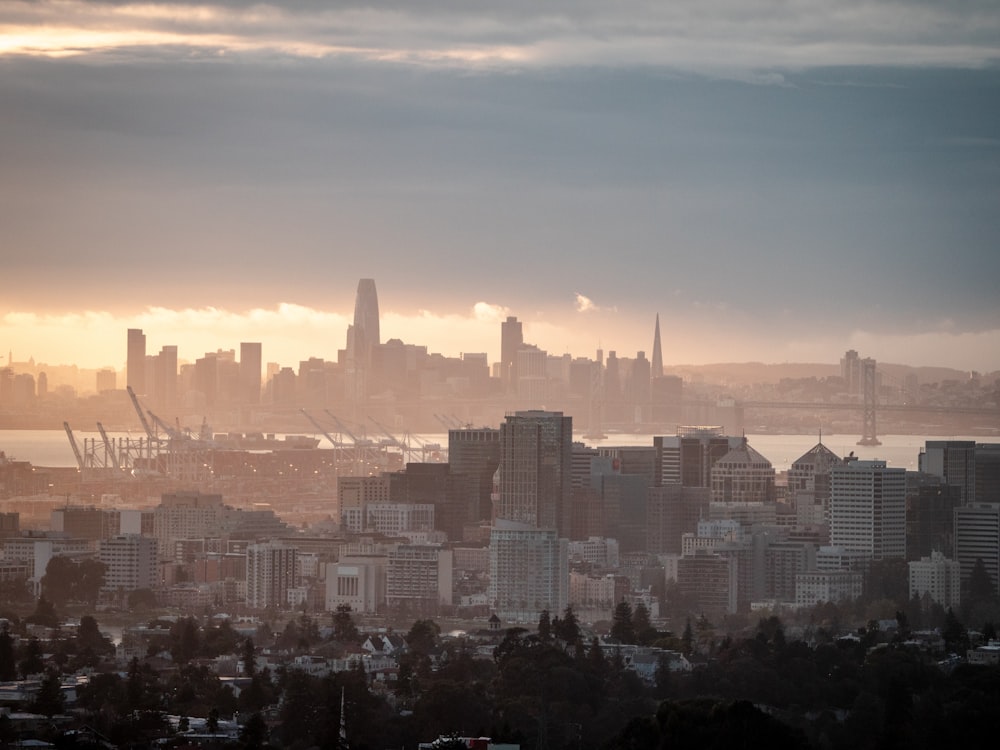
(366, 322)
(868, 509)
(475, 453)
(135, 362)
(657, 361)
(511, 339)
(536, 457)
(165, 378)
(954, 462)
(250, 363)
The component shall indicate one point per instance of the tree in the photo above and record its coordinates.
(249, 658)
(622, 629)
(32, 662)
(954, 634)
(49, 700)
(8, 666)
(422, 637)
(344, 629)
(253, 735)
(644, 631)
(89, 636)
(65, 581)
(567, 628)
(212, 723)
(687, 638)
(544, 626)
(44, 614)
(662, 676)
(185, 641)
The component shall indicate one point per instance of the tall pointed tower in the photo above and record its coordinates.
(366, 324)
(656, 364)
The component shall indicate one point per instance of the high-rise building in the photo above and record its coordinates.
(977, 537)
(689, 456)
(129, 563)
(475, 453)
(366, 322)
(850, 371)
(656, 364)
(742, 476)
(511, 339)
(165, 378)
(939, 578)
(529, 571)
(930, 515)
(988, 472)
(868, 509)
(250, 371)
(954, 461)
(136, 361)
(809, 484)
(270, 574)
(536, 456)
(419, 579)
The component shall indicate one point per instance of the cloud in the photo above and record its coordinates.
(711, 37)
(584, 304)
(488, 313)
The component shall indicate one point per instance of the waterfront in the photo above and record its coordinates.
(52, 448)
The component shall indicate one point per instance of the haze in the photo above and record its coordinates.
(779, 183)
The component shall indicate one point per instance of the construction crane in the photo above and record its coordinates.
(171, 432)
(109, 446)
(433, 448)
(405, 449)
(318, 426)
(358, 442)
(76, 448)
(142, 417)
(445, 422)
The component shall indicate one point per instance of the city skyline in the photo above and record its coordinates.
(778, 185)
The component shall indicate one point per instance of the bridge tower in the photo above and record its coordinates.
(869, 433)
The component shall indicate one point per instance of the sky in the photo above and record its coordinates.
(779, 181)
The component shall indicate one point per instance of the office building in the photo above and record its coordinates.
(688, 457)
(656, 364)
(977, 537)
(954, 461)
(709, 582)
(366, 322)
(129, 563)
(475, 453)
(135, 362)
(868, 509)
(742, 476)
(186, 515)
(819, 586)
(251, 359)
(937, 577)
(165, 378)
(930, 515)
(809, 484)
(270, 574)
(536, 451)
(511, 340)
(418, 579)
(529, 571)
